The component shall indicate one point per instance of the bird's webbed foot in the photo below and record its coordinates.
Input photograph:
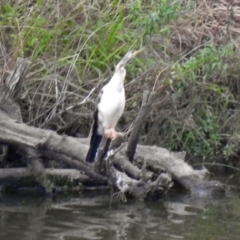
(112, 133)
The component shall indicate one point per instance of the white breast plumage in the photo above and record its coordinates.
(110, 107)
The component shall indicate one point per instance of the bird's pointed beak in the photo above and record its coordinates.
(138, 51)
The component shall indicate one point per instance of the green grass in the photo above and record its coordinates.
(74, 46)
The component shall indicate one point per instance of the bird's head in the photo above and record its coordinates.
(129, 56)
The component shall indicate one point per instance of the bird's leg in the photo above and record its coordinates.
(112, 133)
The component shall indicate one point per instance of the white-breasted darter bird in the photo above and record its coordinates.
(110, 107)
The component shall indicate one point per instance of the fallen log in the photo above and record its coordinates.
(195, 181)
(158, 159)
(67, 178)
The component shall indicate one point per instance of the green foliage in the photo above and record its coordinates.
(101, 47)
(36, 38)
(201, 138)
(229, 150)
(93, 45)
(7, 13)
(31, 35)
(205, 63)
(195, 80)
(153, 17)
(204, 139)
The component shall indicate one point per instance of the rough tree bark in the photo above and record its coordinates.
(151, 171)
(148, 99)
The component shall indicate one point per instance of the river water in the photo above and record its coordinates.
(87, 216)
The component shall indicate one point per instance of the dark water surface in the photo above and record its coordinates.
(178, 216)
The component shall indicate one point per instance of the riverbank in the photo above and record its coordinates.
(191, 60)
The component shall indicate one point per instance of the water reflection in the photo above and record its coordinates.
(178, 216)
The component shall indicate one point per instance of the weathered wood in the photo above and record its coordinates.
(158, 158)
(3, 60)
(8, 106)
(71, 163)
(196, 181)
(15, 80)
(148, 99)
(34, 165)
(17, 177)
(21, 134)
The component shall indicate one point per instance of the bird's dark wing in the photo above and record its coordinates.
(95, 140)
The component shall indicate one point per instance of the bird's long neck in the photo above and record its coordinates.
(117, 80)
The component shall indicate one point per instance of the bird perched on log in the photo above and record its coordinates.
(110, 107)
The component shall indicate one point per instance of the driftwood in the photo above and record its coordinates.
(157, 159)
(151, 170)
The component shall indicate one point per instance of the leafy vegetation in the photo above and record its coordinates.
(191, 51)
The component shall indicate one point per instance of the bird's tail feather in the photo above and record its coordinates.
(95, 140)
(93, 148)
